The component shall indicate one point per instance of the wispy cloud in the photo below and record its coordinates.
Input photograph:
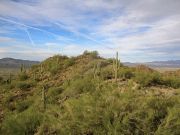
(5, 39)
(138, 29)
(29, 36)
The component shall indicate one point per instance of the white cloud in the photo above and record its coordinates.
(5, 39)
(109, 25)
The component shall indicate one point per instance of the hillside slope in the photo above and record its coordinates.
(16, 63)
(80, 95)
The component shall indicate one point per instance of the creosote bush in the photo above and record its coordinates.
(69, 62)
(93, 54)
(23, 76)
(23, 105)
(25, 123)
(53, 94)
(1, 79)
(125, 72)
(148, 79)
(80, 85)
(107, 73)
(54, 91)
(24, 85)
(170, 126)
(171, 81)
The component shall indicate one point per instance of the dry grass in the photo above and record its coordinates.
(5, 72)
(164, 69)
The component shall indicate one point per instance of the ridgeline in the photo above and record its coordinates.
(89, 95)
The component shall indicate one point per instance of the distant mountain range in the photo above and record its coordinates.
(16, 63)
(156, 64)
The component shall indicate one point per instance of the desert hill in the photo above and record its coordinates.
(90, 95)
(16, 63)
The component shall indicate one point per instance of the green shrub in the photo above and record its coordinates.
(54, 91)
(54, 64)
(170, 126)
(53, 94)
(172, 81)
(148, 79)
(80, 85)
(23, 76)
(107, 73)
(110, 60)
(155, 78)
(125, 73)
(69, 62)
(54, 69)
(93, 54)
(1, 79)
(23, 105)
(25, 123)
(8, 102)
(9, 86)
(24, 85)
(35, 68)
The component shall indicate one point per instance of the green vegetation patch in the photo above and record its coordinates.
(87, 95)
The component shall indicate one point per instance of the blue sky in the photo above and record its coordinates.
(141, 30)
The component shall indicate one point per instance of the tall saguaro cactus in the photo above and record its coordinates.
(97, 70)
(116, 66)
(41, 71)
(94, 71)
(22, 68)
(44, 88)
(10, 78)
(8, 81)
(97, 73)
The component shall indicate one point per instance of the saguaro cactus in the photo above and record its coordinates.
(43, 98)
(57, 60)
(44, 88)
(10, 78)
(116, 66)
(34, 76)
(21, 68)
(97, 74)
(96, 70)
(8, 81)
(41, 68)
(41, 72)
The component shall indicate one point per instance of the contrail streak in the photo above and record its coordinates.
(31, 27)
(29, 36)
(83, 35)
(78, 33)
(56, 35)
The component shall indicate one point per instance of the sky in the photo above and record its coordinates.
(140, 30)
